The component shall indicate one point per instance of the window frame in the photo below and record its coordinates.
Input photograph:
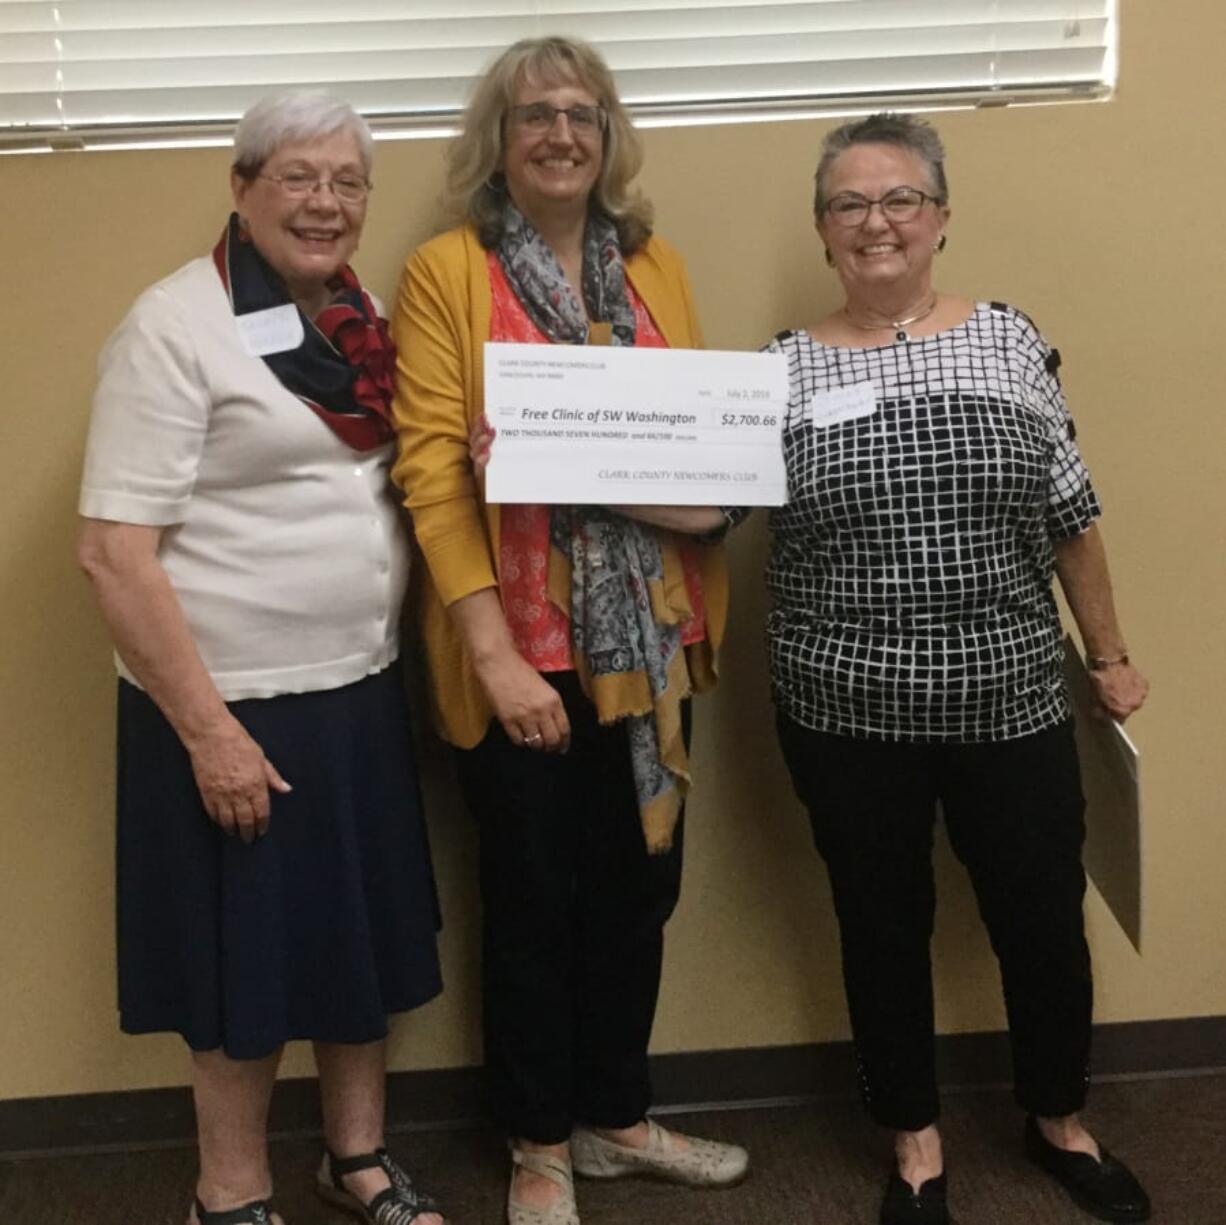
(646, 112)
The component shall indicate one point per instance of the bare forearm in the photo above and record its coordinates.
(152, 637)
(151, 634)
(1081, 565)
(689, 520)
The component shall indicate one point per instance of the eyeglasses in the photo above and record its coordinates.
(539, 118)
(849, 208)
(347, 188)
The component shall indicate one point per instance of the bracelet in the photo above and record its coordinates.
(1096, 663)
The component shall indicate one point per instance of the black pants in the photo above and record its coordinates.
(1013, 810)
(573, 918)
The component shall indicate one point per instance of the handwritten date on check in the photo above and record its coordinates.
(608, 426)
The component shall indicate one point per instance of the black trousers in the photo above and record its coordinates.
(1013, 810)
(573, 920)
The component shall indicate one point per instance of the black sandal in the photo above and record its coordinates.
(400, 1204)
(258, 1212)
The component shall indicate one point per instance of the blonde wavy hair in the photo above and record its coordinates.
(475, 187)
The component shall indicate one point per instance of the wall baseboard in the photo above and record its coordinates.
(453, 1097)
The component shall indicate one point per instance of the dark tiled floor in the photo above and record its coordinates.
(816, 1164)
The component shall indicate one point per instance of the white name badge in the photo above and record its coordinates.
(828, 408)
(276, 330)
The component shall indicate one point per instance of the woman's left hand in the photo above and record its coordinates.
(480, 442)
(1120, 690)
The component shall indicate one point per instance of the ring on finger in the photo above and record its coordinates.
(535, 738)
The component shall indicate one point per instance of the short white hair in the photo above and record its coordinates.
(296, 116)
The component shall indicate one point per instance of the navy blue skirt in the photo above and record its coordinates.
(319, 929)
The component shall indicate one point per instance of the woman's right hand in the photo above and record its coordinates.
(528, 706)
(234, 778)
(480, 441)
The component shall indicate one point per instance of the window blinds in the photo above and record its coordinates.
(108, 71)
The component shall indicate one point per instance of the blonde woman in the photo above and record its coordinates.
(566, 698)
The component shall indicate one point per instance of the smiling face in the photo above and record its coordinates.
(554, 170)
(306, 239)
(882, 252)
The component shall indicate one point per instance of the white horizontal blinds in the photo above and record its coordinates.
(92, 64)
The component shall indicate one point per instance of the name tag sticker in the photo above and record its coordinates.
(828, 408)
(272, 331)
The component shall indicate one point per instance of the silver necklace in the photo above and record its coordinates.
(899, 325)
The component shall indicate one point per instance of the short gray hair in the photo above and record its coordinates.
(296, 116)
(885, 128)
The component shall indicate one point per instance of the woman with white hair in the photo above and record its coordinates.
(249, 559)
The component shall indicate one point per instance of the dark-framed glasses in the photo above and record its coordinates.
(348, 188)
(539, 118)
(849, 208)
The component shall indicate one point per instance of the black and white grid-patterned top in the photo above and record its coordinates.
(911, 570)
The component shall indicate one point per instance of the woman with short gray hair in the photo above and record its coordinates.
(249, 559)
(900, 131)
(935, 489)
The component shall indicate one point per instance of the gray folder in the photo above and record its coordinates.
(1111, 779)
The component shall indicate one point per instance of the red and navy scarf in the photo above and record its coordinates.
(342, 371)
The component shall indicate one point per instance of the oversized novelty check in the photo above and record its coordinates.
(604, 425)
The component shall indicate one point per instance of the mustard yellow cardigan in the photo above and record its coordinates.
(440, 325)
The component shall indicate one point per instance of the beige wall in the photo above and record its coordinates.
(1103, 221)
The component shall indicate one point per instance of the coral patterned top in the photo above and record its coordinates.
(540, 629)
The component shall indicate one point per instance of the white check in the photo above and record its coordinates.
(604, 425)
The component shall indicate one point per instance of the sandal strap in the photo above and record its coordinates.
(657, 1136)
(546, 1165)
(390, 1207)
(403, 1185)
(338, 1167)
(400, 1204)
(258, 1212)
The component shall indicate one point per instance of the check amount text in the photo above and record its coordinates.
(767, 419)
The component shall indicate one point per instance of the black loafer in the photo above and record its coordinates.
(903, 1206)
(1106, 1189)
